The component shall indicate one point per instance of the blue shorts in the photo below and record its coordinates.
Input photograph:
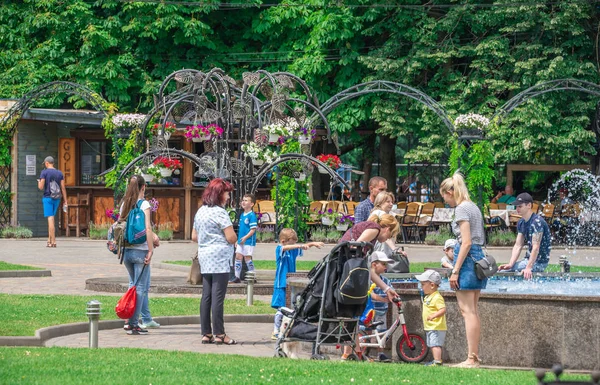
(435, 338)
(50, 206)
(278, 299)
(467, 279)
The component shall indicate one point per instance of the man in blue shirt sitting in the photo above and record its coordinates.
(377, 184)
(534, 230)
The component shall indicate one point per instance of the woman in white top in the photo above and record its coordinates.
(468, 228)
(214, 233)
(384, 201)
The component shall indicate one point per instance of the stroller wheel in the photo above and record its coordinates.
(280, 354)
(318, 357)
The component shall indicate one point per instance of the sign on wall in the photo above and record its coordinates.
(66, 160)
(30, 165)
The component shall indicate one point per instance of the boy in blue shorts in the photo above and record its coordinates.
(434, 314)
(285, 257)
(246, 237)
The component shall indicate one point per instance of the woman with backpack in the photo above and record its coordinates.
(137, 256)
(214, 233)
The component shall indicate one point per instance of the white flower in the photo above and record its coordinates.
(128, 120)
(255, 152)
(471, 121)
(280, 130)
(526, 144)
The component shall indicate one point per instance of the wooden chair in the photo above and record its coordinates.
(439, 205)
(350, 207)
(535, 207)
(313, 210)
(489, 224)
(410, 220)
(401, 205)
(427, 211)
(502, 206)
(267, 208)
(548, 212)
(494, 206)
(80, 219)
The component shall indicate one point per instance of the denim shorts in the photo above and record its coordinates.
(50, 206)
(381, 315)
(537, 267)
(467, 279)
(435, 337)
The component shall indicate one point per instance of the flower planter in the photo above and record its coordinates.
(273, 138)
(202, 139)
(123, 132)
(148, 177)
(167, 135)
(165, 172)
(301, 177)
(303, 139)
(258, 162)
(322, 170)
(341, 227)
(327, 221)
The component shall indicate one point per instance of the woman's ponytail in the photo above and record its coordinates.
(456, 186)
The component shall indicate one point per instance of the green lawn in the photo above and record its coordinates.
(64, 366)
(22, 315)
(10, 266)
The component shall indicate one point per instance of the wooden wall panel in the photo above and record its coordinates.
(67, 158)
(169, 210)
(100, 205)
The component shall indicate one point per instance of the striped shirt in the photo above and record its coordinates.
(468, 211)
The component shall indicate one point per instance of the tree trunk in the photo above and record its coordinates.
(387, 159)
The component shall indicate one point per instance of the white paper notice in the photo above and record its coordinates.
(30, 165)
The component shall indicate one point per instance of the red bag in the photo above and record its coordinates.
(126, 305)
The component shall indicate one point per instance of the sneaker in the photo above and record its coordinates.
(150, 325)
(275, 336)
(137, 330)
(235, 280)
(126, 326)
(383, 358)
(434, 363)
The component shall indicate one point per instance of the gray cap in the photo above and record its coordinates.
(379, 256)
(450, 243)
(49, 159)
(431, 276)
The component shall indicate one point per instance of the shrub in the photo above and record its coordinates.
(439, 236)
(333, 236)
(501, 238)
(318, 234)
(15, 232)
(165, 231)
(99, 231)
(265, 234)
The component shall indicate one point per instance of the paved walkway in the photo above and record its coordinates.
(75, 260)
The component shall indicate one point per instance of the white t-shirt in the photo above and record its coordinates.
(142, 246)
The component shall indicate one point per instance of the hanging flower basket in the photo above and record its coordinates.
(167, 135)
(273, 138)
(303, 139)
(166, 172)
(327, 221)
(123, 132)
(342, 227)
(148, 177)
(322, 170)
(258, 162)
(301, 177)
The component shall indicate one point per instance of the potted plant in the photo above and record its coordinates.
(471, 125)
(200, 133)
(276, 130)
(165, 131)
(306, 135)
(329, 217)
(332, 161)
(344, 221)
(124, 124)
(167, 165)
(149, 173)
(257, 154)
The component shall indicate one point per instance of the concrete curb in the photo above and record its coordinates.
(44, 334)
(25, 273)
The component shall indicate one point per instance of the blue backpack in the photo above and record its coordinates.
(135, 232)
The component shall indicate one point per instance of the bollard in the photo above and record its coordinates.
(250, 279)
(565, 265)
(93, 312)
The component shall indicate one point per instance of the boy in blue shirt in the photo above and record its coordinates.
(246, 237)
(285, 257)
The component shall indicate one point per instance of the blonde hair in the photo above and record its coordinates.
(456, 186)
(288, 234)
(381, 198)
(386, 221)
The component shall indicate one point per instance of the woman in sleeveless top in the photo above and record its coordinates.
(467, 225)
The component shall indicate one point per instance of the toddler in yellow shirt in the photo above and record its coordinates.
(434, 314)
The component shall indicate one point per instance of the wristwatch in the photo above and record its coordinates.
(454, 271)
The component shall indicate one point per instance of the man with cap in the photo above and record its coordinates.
(448, 258)
(434, 314)
(52, 182)
(534, 230)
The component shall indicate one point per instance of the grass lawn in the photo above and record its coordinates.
(10, 266)
(65, 366)
(22, 315)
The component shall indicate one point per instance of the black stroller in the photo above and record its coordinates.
(328, 310)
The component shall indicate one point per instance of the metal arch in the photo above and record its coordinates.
(14, 114)
(389, 87)
(545, 87)
(262, 172)
(307, 91)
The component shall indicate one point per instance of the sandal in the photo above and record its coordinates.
(474, 362)
(220, 340)
(54, 245)
(48, 244)
(208, 339)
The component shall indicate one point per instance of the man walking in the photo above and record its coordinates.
(52, 182)
(377, 184)
(534, 230)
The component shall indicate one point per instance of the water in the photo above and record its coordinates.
(567, 286)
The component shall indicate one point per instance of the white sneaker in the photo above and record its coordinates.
(150, 325)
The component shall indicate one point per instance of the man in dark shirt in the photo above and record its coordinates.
(52, 182)
(534, 230)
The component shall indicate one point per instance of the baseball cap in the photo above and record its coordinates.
(379, 256)
(449, 243)
(49, 159)
(523, 198)
(431, 276)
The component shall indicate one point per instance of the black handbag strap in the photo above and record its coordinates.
(142, 272)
